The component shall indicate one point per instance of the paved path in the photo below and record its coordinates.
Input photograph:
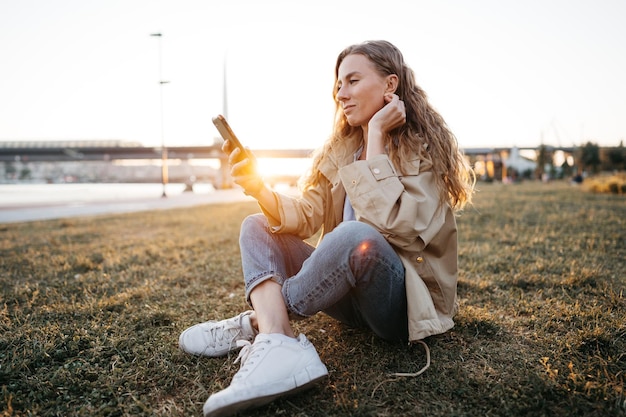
(34, 212)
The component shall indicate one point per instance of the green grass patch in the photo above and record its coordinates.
(92, 308)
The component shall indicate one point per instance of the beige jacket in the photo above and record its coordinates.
(405, 210)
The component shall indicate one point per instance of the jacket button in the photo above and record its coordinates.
(419, 259)
(376, 171)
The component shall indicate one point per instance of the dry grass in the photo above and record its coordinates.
(92, 308)
(606, 183)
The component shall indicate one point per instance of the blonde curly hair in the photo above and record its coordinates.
(424, 134)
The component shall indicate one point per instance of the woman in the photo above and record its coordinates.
(384, 189)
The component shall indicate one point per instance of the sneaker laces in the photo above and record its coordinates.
(248, 351)
(219, 333)
(244, 353)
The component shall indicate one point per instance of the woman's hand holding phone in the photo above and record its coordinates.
(243, 165)
(243, 169)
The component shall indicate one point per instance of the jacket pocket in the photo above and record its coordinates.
(426, 273)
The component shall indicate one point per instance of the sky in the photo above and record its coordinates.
(500, 72)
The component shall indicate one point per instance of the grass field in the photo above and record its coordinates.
(92, 308)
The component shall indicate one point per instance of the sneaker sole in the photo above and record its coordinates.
(300, 382)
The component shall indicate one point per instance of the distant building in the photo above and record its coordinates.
(517, 165)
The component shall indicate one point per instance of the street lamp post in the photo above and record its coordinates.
(163, 148)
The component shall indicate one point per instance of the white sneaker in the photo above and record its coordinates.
(217, 338)
(274, 365)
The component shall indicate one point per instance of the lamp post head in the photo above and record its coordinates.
(156, 34)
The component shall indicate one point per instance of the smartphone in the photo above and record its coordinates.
(227, 133)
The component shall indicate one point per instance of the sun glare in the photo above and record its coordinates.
(289, 167)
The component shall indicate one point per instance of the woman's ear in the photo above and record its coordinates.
(392, 83)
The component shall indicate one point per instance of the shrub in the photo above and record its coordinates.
(614, 184)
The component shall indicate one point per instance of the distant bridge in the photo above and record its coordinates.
(111, 150)
(62, 151)
(108, 150)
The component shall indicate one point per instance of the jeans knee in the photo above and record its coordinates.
(354, 234)
(356, 229)
(253, 224)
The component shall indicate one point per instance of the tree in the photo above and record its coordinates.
(617, 157)
(9, 170)
(25, 173)
(590, 156)
(542, 158)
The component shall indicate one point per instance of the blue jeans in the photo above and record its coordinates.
(354, 275)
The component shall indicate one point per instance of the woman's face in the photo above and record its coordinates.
(360, 89)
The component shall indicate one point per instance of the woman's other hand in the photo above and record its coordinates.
(390, 116)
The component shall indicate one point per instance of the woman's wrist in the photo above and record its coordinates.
(256, 190)
(375, 145)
